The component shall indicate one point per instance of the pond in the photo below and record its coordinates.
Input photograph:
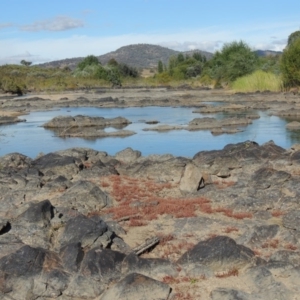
(30, 138)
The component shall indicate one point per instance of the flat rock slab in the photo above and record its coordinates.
(10, 120)
(84, 121)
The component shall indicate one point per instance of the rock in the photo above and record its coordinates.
(54, 164)
(293, 125)
(10, 120)
(291, 220)
(71, 256)
(164, 127)
(83, 196)
(152, 267)
(259, 235)
(229, 294)
(169, 170)
(268, 288)
(97, 170)
(219, 253)
(192, 179)
(92, 132)
(128, 155)
(15, 160)
(265, 177)
(288, 256)
(32, 227)
(27, 261)
(138, 287)
(84, 121)
(102, 264)
(84, 230)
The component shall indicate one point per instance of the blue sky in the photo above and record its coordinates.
(41, 31)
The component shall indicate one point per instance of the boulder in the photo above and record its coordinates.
(54, 164)
(138, 287)
(219, 253)
(84, 196)
(84, 230)
(192, 179)
(128, 155)
(152, 267)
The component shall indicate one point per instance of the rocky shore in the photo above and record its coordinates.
(81, 224)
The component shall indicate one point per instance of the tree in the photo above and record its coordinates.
(235, 59)
(112, 62)
(160, 67)
(88, 61)
(290, 64)
(25, 63)
(293, 36)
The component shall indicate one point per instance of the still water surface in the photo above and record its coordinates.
(30, 138)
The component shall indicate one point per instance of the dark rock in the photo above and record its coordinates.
(218, 253)
(32, 227)
(54, 164)
(138, 287)
(97, 170)
(102, 264)
(71, 256)
(39, 212)
(84, 230)
(152, 267)
(27, 261)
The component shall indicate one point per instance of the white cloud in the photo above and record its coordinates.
(59, 23)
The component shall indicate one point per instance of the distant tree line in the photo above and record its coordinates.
(233, 61)
(113, 71)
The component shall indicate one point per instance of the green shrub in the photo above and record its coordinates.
(235, 60)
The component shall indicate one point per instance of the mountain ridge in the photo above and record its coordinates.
(140, 56)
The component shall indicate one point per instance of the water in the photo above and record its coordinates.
(30, 138)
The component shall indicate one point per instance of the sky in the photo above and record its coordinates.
(42, 31)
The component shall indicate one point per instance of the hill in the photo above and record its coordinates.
(138, 55)
(267, 52)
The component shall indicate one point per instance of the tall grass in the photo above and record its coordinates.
(258, 81)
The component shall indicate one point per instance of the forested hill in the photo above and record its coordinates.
(138, 55)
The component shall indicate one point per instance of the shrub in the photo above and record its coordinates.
(290, 64)
(235, 60)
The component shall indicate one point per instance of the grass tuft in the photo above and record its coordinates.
(258, 81)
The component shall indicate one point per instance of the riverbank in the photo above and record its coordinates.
(139, 97)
